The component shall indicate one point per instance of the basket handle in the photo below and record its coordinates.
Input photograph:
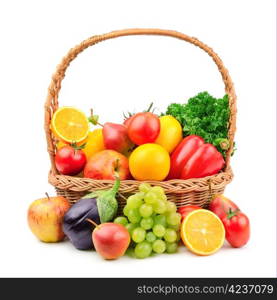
(51, 103)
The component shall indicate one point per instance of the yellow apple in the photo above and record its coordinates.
(45, 218)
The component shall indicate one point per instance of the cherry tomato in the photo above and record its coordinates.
(237, 228)
(221, 205)
(70, 161)
(144, 128)
(185, 210)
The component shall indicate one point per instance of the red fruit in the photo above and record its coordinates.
(182, 154)
(143, 128)
(237, 228)
(45, 218)
(103, 165)
(128, 121)
(204, 162)
(129, 117)
(70, 161)
(111, 240)
(116, 137)
(185, 210)
(221, 205)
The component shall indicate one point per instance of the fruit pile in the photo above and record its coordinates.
(144, 147)
(189, 141)
(150, 226)
(153, 221)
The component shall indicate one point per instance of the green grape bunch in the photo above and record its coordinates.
(152, 221)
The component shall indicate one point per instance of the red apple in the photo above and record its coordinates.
(111, 240)
(103, 165)
(45, 218)
(116, 137)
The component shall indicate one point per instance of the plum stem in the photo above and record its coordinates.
(92, 222)
(47, 196)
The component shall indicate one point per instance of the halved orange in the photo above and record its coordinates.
(69, 125)
(202, 232)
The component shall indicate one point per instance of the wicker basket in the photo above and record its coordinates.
(182, 192)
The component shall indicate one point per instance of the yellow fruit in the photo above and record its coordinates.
(60, 144)
(94, 143)
(70, 125)
(202, 232)
(45, 218)
(149, 162)
(170, 133)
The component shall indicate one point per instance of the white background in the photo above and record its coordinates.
(127, 74)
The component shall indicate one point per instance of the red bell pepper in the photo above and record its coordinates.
(194, 159)
(182, 153)
(204, 162)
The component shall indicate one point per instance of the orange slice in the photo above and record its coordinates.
(202, 232)
(70, 125)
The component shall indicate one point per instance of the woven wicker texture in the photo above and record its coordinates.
(182, 192)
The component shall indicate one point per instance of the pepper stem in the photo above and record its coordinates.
(92, 222)
(223, 143)
(116, 185)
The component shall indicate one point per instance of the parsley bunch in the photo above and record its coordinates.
(205, 116)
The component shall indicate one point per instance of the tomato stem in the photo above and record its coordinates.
(76, 147)
(231, 214)
(150, 106)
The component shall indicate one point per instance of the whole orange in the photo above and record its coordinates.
(149, 162)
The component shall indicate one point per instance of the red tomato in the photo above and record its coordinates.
(144, 128)
(70, 161)
(185, 210)
(182, 154)
(237, 228)
(221, 205)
